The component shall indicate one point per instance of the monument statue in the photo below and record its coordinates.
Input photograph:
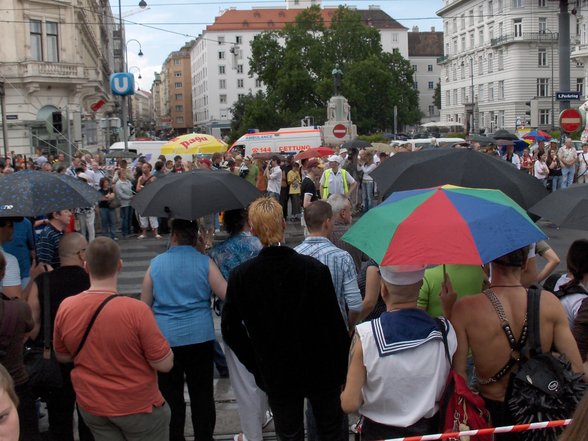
(337, 74)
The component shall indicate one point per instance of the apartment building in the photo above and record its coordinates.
(142, 115)
(57, 58)
(176, 94)
(424, 48)
(219, 56)
(500, 68)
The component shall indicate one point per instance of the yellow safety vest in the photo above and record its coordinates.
(327, 175)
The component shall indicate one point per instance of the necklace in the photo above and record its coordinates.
(506, 286)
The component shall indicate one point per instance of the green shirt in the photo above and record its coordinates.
(465, 279)
(252, 175)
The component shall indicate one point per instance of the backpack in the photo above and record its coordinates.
(544, 388)
(460, 408)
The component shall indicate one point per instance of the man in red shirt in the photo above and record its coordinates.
(114, 377)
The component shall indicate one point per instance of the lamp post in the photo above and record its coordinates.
(473, 100)
(552, 42)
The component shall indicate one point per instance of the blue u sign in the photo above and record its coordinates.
(122, 83)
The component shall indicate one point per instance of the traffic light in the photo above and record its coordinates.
(56, 121)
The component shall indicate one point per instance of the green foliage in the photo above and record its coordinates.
(437, 95)
(376, 137)
(296, 63)
(456, 135)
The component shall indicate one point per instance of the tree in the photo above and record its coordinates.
(437, 95)
(254, 111)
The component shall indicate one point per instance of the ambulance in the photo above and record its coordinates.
(283, 141)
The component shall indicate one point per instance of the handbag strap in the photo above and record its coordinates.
(8, 323)
(443, 329)
(94, 317)
(533, 302)
(46, 312)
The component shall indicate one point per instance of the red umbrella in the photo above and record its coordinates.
(315, 152)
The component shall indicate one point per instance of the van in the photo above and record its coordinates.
(151, 149)
(283, 141)
(424, 142)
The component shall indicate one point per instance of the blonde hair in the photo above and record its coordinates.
(265, 219)
(7, 385)
(578, 430)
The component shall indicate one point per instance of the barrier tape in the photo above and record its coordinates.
(488, 431)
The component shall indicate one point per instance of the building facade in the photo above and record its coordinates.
(142, 116)
(219, 57)
(176, 94)
(500, 67)
(58, 62)
(424, 48)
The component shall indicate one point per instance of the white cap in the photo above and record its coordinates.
(84, 176)
(343, 151)
(335, 158)
(402, 274)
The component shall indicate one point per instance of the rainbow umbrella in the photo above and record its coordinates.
(443, 225)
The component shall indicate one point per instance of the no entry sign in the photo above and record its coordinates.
(339, 131)
(570, 120)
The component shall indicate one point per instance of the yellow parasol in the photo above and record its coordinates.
(193, 144)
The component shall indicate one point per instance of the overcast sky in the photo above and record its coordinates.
(164, 26)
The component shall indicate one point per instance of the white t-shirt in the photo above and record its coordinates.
(582, 160)
(541, 170)
(12, 274)
(274, 183)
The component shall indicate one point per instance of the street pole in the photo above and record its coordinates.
(123, 101)
(552, 83)
(564, 51)
(473, 124)
(4, 125)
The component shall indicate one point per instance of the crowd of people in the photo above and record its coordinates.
(320, 327)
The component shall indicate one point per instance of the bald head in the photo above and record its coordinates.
(70, 247)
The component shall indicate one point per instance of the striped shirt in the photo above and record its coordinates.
(48, 246)
(342, 270)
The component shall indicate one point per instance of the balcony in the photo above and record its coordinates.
(525, 37)
(442, 59)
(580, 53)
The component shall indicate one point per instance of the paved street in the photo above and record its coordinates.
(137, 254)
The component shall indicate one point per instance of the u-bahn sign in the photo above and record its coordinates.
(122, 83)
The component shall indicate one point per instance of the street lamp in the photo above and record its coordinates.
(552, 83)
(138, 42)
(137, 68)
(142, 4)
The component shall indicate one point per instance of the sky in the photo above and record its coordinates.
(165, 25)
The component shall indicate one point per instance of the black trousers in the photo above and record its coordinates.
(29, 422)
(372, 431)
(284, 196)
(501, 416)
(195, 362)
(326, 407)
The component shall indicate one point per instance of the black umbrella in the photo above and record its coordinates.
(194, 194)
(463, 167)
(505, 134)
(565, 208)
(32, 193)
(356, 144)
(481, 139)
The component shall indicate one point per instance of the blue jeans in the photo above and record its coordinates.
(125, 220)
(567, 176)
(555, 183)
(367, 194)
(107, 219)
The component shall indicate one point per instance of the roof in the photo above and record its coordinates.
(425, 44)
(263, 19)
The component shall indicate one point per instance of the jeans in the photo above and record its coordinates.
(289, 415)
(153, 426)
(195, 362)
(367, 194)
(125, 220)
(555, 183)
(107, 220)
(567, 176)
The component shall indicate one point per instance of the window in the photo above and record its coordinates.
(500, 59)
(240, 95)
(415, 85)
(462, 70)
(518, 27)
(179, 120)
(462, 95)
(431, 85)
(454, 23)
(178, 85)
(481, 37)
(414, 67)
(240, 83)
(239, 68)
(580, 85)
(490, 33)
(179, 96)
(472, 42)
(221, 55)
(462, 21)
(177, 61)
(222, 99)
(463, 41)
(36, 40)
(490, 63)
(542, 25)
(541, 57)
(490, 91)
(178, 74)
(517, 3)
(455, 96)
(239, 39)
(431, 110)
(481, 12)
(541, 3)
(394, 37)
(544, 117)
(471, 23)
(221, 69)
(221, 39)
(52, 41)
(222, 84)
(499, 5)
(490, 8)
(179, 108)
(500, 29)
(480, 66)
(447, 98)
(257, 82)
(430, 68)
(501, 90)
(542, 86)
(480, 92)
(501, 118)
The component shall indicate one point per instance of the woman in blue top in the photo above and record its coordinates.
(178, 286)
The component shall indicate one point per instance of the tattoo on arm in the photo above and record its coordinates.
(352, 347)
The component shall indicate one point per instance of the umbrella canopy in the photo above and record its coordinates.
(463, 167)
(356, 144)
(505, 134)
(32, 193)
(481, 139)
(314, 152)
(194, 194)
(193, 144)
(537, 135)
(565, 208)
(443, 225)
(383, 147)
